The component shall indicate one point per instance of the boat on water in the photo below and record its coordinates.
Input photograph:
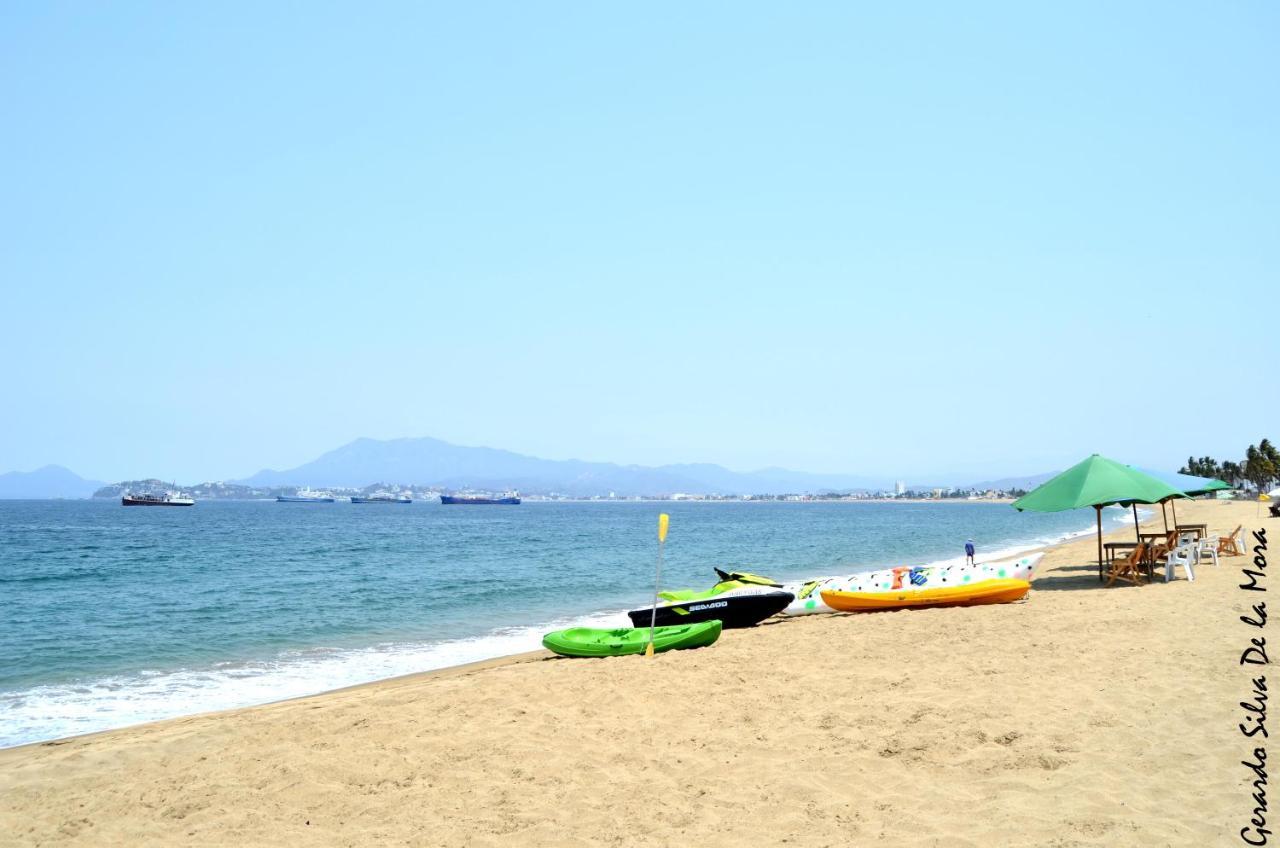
(507, 499)
(156, 499)
(381, 498)
(305, 495)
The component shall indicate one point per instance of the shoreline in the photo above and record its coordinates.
(723, 744)
(474, 644)
(462, 669)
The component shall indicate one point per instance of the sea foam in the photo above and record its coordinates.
(56, 711)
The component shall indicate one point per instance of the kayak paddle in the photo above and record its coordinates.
(663, 521)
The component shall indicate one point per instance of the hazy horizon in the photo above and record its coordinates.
(966, 242)
(939, 477)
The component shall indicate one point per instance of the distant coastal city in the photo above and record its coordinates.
(366, 468)
(237, 491)
(424, 468)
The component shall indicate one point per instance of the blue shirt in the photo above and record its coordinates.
(968, 548)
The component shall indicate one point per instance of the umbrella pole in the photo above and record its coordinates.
(1098, 510)
(1173, 506)
(1165, 516)
(1136, 534)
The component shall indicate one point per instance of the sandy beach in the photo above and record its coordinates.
(1082, 716)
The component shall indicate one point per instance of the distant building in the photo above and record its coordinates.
(900, 488)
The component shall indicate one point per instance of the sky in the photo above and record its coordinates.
(886, 239)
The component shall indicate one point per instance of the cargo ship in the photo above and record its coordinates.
(381, 498)
(161, 499)
(306, 496)
(509, 499)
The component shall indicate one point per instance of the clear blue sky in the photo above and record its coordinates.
(906, 240)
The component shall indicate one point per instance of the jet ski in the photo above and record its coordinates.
(740, 599)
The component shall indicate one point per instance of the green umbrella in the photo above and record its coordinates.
(1097, 482)
(1211, 486)
(1203, 489)
(1188, 484)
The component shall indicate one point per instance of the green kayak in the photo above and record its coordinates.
(592, 642)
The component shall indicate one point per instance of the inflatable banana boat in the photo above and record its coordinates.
(810, 595)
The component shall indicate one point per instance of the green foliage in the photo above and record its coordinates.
(1260, 467)
(1205, 466)
(1232, 472)
(1270, 452)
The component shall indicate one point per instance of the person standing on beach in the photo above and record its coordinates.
(968, 552)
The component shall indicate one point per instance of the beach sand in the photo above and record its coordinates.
(1082, 716)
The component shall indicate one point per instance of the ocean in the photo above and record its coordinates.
(111, 616)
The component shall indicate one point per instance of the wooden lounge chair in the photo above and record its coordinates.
(1128, 568)
(1158, 553)
(1230, 545)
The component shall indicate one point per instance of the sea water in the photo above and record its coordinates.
(111, 616)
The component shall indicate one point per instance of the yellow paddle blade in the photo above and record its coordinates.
(648, 650)
(663, 521)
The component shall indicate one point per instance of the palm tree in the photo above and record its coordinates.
(1232, 472)
(1269, 451)
(1259, 469)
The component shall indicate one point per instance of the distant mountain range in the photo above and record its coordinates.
(1006, 484)
(431, 462)
(52, 481)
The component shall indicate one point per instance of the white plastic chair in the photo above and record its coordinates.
(1207, 547)
(1179, 556)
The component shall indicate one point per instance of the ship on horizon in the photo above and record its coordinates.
(507, 499)
(381, 498)
(154, 499)
(306, 495)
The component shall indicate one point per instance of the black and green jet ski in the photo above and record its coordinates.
(740, 599)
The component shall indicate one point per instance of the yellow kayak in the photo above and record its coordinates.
(995, 591)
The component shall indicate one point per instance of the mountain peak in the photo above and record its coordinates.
(428, 461)
(48, 481)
